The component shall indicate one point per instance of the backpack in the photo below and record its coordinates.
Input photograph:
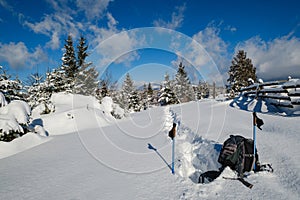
(237, 153)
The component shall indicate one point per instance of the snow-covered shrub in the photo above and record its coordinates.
(14, 118)
(39, 97)
(109, 106)
(3, 101)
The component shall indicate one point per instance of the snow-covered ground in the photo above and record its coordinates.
(90, 155)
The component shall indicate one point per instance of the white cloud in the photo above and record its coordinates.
(176, 19)
(6, 5)
(274, 59)
(206, 51)
(96, 10)
(217, 49)
(62, 22)
(18, 56)
(230, 28)
(54, 26)
(214, 45)
(116, 47)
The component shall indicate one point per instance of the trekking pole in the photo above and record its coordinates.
(254, 140)
(257, 122)
(172, 134)
(173, 156)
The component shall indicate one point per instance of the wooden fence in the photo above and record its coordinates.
(279, 93)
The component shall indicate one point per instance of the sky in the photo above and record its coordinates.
(148, 38)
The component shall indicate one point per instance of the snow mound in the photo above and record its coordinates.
(20, 144)
(74, 113)
(19, 110)
(12, 115)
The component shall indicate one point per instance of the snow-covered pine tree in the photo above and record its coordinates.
(3, 101)
(56, 81)
(102, 91)
(167, 96)
(143, 97)
(150, 95)
(69, 65)
(127, 89)
(202, 90)
(240, 71)
(86, 80)
(183, 88)
(39, 95)
(34, 78)
(134, 102)
(11, 89)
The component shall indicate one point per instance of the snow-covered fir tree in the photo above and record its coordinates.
(134, 102)
(144, 97)
(202, 90)
(126, 96)
(102, 91)
(34, 78)
(86, 82)
(150, 95)
(241, 70)
(3, 101)
(69, 65)
(167, 95)
(39, 96)
(11, 89)
(56, 81)
(183, 87)
(127, 89)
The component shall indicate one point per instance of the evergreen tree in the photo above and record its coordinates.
(86, 80)
(82, 52)
(183, 87)
(202, 90)
(69, 65)
(102, 91)
(56, 81)
(69, 59)
(167, 96)
(11, 89)
(150, 94)
(240, 71)
(134, 103)
(34, 78)
(39, 95)
(144, 97)
(127, 90)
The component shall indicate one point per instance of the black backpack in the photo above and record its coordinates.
(237, 153)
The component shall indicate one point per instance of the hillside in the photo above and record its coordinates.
(90, 155)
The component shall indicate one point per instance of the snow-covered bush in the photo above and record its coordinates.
(108, 106)
(3, 101)
(14, 117)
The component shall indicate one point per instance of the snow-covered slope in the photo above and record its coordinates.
(103, 158)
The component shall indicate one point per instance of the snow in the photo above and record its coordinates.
(23, 143)
(3, 101)
(12, 115)
(90, 155)
(19, 110)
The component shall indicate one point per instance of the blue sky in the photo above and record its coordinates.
(32, 35)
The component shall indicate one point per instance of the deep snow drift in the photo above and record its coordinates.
(90, 155)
